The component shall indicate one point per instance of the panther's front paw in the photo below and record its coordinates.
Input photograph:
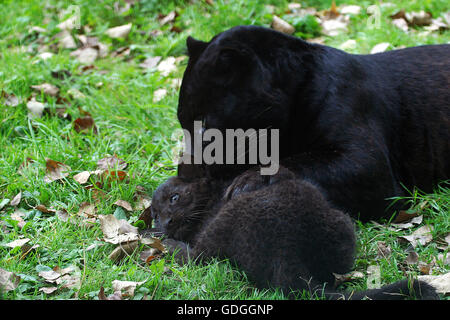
(179, 249)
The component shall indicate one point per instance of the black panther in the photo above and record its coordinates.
(363, 128)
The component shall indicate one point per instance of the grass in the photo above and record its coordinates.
(119, 96)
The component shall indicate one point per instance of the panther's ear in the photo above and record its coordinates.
(190, 171)
(195, 47)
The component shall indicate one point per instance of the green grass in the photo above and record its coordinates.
(139, 131)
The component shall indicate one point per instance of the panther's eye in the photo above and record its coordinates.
(174, 198)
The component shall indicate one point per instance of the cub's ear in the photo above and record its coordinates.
(195, 47)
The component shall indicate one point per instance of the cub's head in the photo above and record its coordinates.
(179, 207)
(243, 78)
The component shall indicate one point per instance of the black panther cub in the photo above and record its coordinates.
(278, 229)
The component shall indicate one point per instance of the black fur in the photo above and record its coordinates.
(278, 229)
(358, 126)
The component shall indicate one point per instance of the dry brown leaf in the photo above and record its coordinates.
(16, 200)
(404, 216)
(35, 108)
(440, 282)
(115, 296)
(17, 243)
(413, 222)
(412, 258)
(48, 290)
(55, 170)
(120, 31)
(170, 17)
(112, 162)
(150, 62)
(85, 55)
(384, 251)
(117, 231)
(8, 280)
(123, 250)
(125, 287)
(380, 47)
(282, 26)
(421, 236)
(354, 275)
(115, 175)
(46, 88)
(167, 66)
(10, 99)
(124, 204)
(159, 94)
(82, 177)
(17, 215)
(84, 125)
(87, 210)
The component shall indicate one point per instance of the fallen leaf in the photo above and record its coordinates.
(48, 290)
(112, 162)
(170, 17)
(117, 231)
(124, 204)
(384, 251)
(420, 18)
(421, 236)
(17, 243)
(353, 275)
(115, 296)
(18, 216)
(85, 55)
(282, 26)
(123, 250)
(150, 62)
(401, 24)
(412, 258)
(159, 94)
(46, 88)
(16, 200)
(82, 177)
(65, 40)
(50, 275)
(68, 24)
(55, 170)
(115, 175)
(8, 280)
(119, 32)
(35, 108)
(440, 282)
(350, 9)
(381, 47)
(167, 66)
(76, 94)
(87, 210)
(414, 221)
(125, 287)
(84, 125)
(10, 99)
(154, 243)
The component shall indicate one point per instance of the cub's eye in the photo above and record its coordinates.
(174, 198)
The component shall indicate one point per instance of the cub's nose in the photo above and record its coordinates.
(165, 222)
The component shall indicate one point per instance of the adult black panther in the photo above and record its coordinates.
(358, 126)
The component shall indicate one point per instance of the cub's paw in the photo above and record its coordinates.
(179, 249)
(252, 180)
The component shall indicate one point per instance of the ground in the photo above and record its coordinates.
(110, 97)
